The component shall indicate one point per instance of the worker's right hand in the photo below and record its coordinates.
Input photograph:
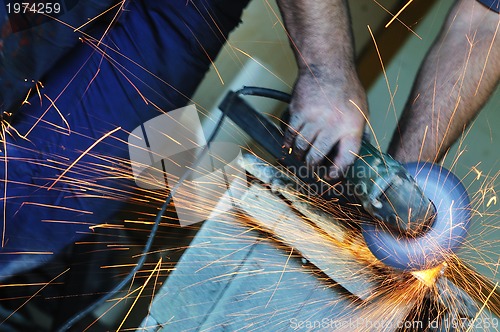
(327, 118)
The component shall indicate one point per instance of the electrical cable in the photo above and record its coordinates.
(265, 92)
(152, 234)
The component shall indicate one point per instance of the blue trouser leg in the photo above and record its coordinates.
(158, 52)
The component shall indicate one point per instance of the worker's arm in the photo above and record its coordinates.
(458, 75)
(329, 106)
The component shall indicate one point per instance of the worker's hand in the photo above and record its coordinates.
(327, 118)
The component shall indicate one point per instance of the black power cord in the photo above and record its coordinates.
(265, 92)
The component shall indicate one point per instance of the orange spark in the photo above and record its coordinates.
(25, 101)
(122, 3)
(139, 295)
(398, 13)
(207, 55)
(280, 278)
(83, 154)
(383, 71)
(27, 253)
(478, 172)
(96, 17)
(32, 296)
(38, 92)
(485, 302)
(56, 207)
(58, 112)
(429, 277)
(487, 57)
(262, 65)
(406, 26)
(109, 309)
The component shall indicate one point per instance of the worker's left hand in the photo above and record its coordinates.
(327, 118)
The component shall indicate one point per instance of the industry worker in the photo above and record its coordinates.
(70, 100)
(329, 110)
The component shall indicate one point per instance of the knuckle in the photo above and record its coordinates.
(314, 157)
(301, 144)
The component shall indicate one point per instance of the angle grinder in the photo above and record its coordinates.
(422, 210)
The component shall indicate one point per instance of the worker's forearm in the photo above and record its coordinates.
(320, 34)
(459, 74)
(328, 107)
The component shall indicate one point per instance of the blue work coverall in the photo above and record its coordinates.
(114, 73)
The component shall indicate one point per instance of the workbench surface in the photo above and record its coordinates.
(235, 278)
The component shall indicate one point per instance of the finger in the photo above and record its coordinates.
(293, 129)
(347, 150)
(321, 148)
(304, 140)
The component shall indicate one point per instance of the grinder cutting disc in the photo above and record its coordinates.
(446, 233)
